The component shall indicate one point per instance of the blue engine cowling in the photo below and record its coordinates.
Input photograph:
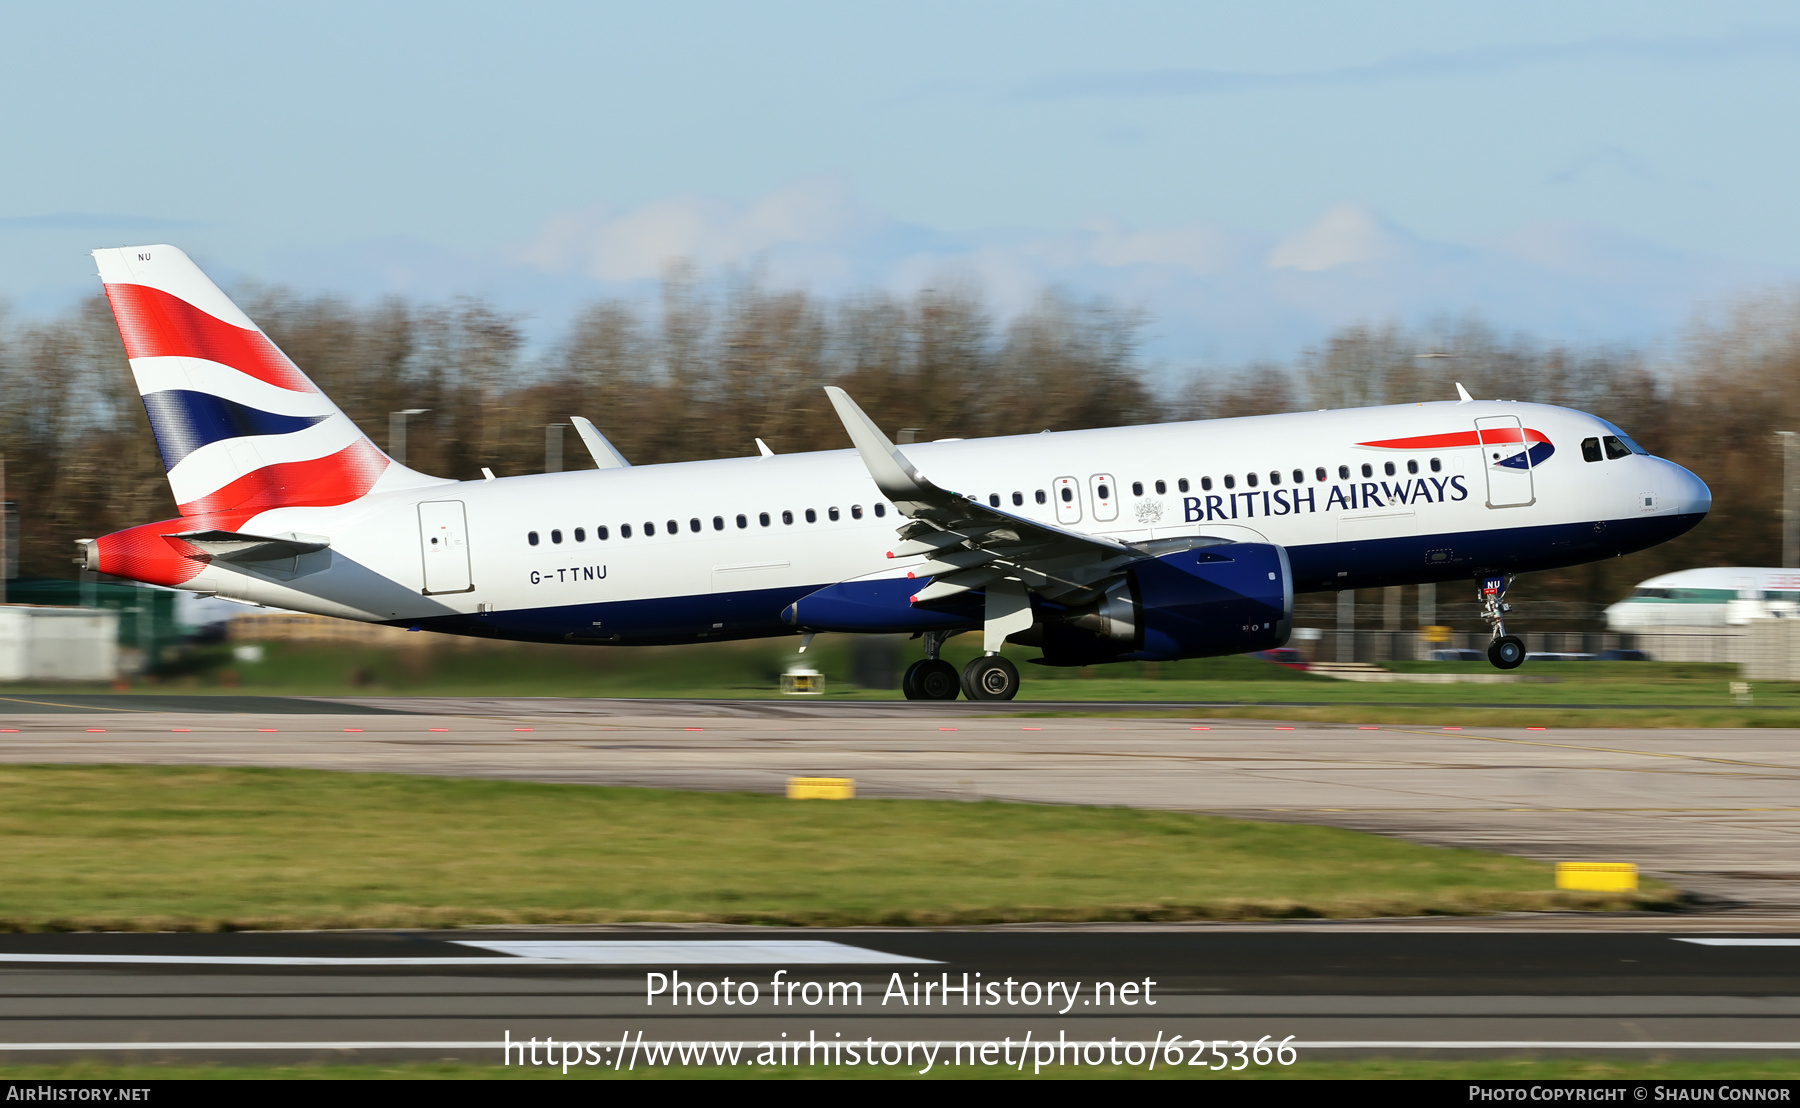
(1232, 598)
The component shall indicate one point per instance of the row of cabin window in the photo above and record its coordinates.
(1206, 483)
(1321, 474)
(602, 532)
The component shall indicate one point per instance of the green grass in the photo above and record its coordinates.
(1683, 694)
(1516, 1068)
(134, 848)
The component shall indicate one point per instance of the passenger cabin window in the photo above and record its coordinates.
(1412, 465)
(1206, 484)
(1299, 476)
(624, 530)
(1274, 477)
(694, 525)
(880, 510)
(1161, 487)
(674, 528)
(556, 536)
(763, 518)
(1137, 488)
(1103, 492)
(1614, 448)
(856, 511)
(580, 534)
(1068, 495)
(1388, 468)
(787, 517)
(993, 500)
(532, 538)
(1182, 484)
(812, 516)
(1368, 470)
(718, 523)
(649, 528)
(1436, 465)
(1250, 479)
(602, 533)
(1018, 500)
(1344, 473)
(1040, 496)
(1230, 481)
(1319, 474)
(831, 514)
(743, 521)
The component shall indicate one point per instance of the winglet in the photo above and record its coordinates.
(894, 475)
(605, 455)
(1462, 394)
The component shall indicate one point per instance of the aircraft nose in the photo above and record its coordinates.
(1688, 494)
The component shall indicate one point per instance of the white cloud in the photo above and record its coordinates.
(714, 233)
(1210, 292)
(1344, 235)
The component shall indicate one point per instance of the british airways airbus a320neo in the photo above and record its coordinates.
(1176, 540)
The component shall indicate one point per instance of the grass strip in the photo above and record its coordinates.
(198, 848)
(1511, 1068)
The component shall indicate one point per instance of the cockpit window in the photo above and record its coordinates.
(1615, 447)
(1590, 450)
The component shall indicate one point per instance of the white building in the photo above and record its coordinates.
(40, 643)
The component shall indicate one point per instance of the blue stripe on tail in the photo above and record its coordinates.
(184, 421)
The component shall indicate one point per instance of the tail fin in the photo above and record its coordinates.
(240, 428)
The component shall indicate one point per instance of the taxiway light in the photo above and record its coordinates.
(356, 730)
(96, 730)
(437, 729)
(522, 729)
(1199, 729)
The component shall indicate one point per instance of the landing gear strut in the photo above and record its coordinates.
(1505, 651)
(931, 678)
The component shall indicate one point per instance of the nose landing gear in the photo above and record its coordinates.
(1505, 651)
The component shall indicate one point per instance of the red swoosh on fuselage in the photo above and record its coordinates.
(1459, 438)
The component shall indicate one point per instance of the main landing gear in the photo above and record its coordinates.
(989, 677)
(1505, 651)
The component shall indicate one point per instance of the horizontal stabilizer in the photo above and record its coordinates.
(233, 546)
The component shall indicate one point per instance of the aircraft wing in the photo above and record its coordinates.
(970, 543)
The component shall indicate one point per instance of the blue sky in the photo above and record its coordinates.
(1252, 175)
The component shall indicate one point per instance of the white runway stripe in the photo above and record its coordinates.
(656, 952)
(549, 952)
(1742, 942)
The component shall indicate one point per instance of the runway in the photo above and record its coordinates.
(1712, 810)
(1328, 990)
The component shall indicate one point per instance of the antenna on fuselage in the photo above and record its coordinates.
(1462, 394)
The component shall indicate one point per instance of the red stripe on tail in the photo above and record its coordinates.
(155, 324)
(142, 554)
(316, 483)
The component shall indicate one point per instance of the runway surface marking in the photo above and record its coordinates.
(1147, 1044)
(709, 952)
(77, 707)
(1741, 942)
(624, 952)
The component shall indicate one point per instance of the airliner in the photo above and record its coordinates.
(1154, 542)
(1718, 596)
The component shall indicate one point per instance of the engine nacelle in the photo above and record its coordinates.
(1232, 598)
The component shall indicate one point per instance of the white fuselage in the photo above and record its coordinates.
(1446, 512)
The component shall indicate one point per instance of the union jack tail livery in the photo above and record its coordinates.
(239, 427)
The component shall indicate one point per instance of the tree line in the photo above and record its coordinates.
(711, 367)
